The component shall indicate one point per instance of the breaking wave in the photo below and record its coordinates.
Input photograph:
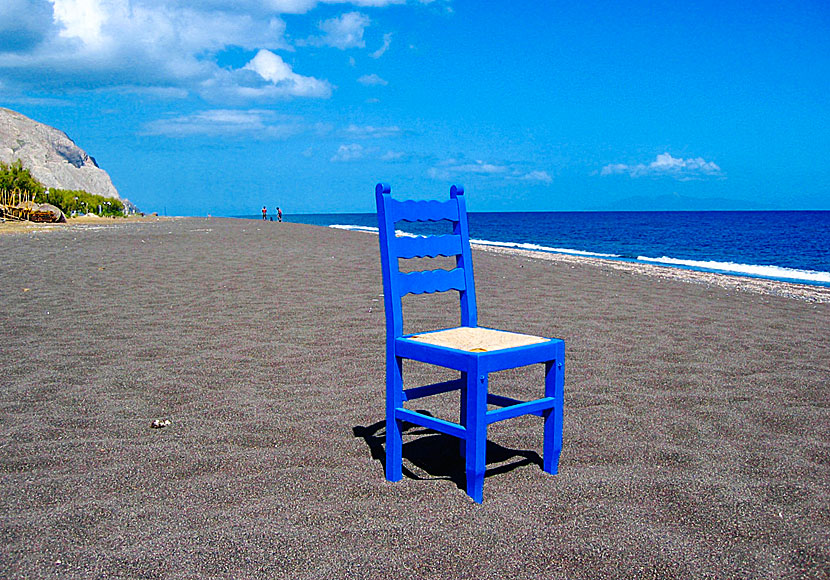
(760, 271)
(722, 267)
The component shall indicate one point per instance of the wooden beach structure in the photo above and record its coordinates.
(17, 205)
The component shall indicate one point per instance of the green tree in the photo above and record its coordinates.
(80, 201)
(15, 177)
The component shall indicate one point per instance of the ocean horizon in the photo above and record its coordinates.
(789, 246)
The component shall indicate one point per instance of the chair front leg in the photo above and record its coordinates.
(462, 444)
(476, 433)
(554, 387)
(394, 400)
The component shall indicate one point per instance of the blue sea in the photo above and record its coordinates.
(792, 246)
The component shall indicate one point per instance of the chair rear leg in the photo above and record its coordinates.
(476, 438)
(394, 438)
(554, 387)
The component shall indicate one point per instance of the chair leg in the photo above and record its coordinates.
(462, 443)
(394, 399)
(476, 439)
(554, 387)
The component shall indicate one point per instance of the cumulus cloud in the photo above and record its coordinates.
(252, 123)
(393, 156)
(458, 168)
(93, 44)
(350, 152)
(450, 168)
(372, 132)
(666, 165)
(372, 80)
(82, 19)
(170, 47)
(355, 151)
(387, 41)
(271, 68)
(345, 31)
(538, 176)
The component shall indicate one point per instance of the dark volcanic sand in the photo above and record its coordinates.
(697, 429)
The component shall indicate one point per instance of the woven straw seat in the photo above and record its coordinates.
(477, 339)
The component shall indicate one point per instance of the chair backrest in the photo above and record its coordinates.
(397, 284)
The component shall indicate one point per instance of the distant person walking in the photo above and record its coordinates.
(264, 213)
(279, 214)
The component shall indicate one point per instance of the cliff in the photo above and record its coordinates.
(51, 156)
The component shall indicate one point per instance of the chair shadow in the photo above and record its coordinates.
(438, 455)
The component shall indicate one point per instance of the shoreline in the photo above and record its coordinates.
(805, 292)
(764, 286)
(814, 293)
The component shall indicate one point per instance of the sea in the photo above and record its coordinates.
(790, 246)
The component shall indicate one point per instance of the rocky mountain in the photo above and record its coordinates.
(51, 156)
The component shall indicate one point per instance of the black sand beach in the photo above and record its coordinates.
(697, 427)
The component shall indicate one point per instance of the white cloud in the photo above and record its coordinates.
(270, 67)
(150, 44)
(540, 176)
(372, 80)
(355, 151)
(371, 132)
(393, 156)
(372, 3)
(82, 19)
(387, 40)
(168, 46)
(451, 168)
(252, 123)
(459, 168)
(290, 6)
(349, 152)
(343, 32)
(282, 79)
(666, 165)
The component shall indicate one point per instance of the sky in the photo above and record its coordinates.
(221, 107)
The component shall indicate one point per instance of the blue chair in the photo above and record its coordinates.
(469, 348)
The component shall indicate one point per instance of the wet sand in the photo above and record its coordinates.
(697, 428)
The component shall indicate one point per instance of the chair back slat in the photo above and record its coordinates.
(424, 211)
(428, 281)
(393, 248)
(427, 246)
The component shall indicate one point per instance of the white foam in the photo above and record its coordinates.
(354, 228)
(538, 248)
(517, 245)
(776, 272)
(762, 271)
(371, 230)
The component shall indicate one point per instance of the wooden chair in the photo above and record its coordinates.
(470, 349)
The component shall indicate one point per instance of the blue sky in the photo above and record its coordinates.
(221, 107)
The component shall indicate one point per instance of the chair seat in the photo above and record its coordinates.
(477, 339)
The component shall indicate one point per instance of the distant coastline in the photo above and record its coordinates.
(783, 246)
(815, 293)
